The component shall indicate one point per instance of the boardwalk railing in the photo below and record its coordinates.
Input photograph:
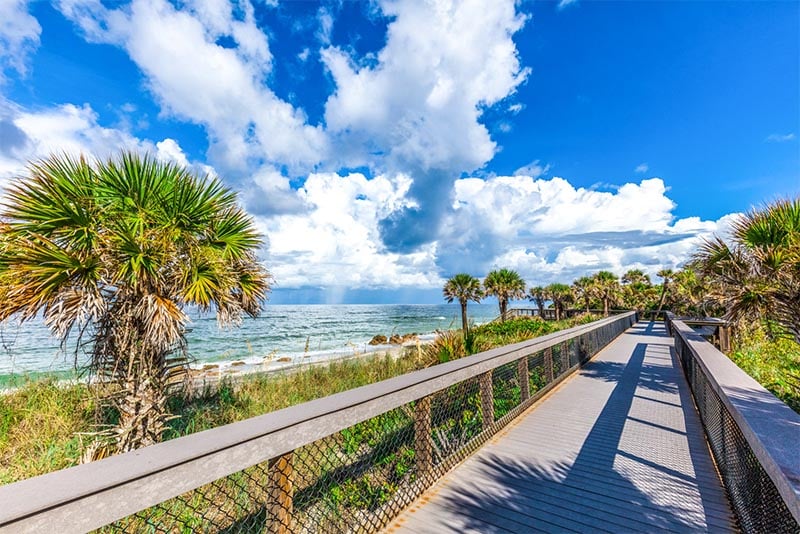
(754, 437)
(715, 331)
(350, 461)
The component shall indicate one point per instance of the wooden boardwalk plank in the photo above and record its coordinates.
(618, 447)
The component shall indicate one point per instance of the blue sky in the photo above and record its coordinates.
(384, 146)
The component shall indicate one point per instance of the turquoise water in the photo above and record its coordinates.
(304, 333)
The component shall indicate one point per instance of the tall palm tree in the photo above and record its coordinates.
(538, 296)
(582, 291)
(504, 284)
(666, 275)
(560, 294)
(463, 287)
(757, 275)
(114, 250)
(606, 288)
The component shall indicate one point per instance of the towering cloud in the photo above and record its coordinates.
(417, 108)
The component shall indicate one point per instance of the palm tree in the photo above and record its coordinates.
(606, 288)
(114, 250)
(635, 277)
(537, 295)
(582, 290)
(560, 294)
(757, 275)
(504, 284)
(463, 287)
(666, 275)
(688, 294)
(636, 289)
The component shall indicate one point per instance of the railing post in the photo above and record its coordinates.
(548, 364)
(423, 441)
(564, 356)
(487, 399)
(725, 339)
(281, 493)
(524, 382)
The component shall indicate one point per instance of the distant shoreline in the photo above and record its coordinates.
(210, 374)
(299, 332)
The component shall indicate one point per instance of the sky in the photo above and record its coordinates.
(383, 146)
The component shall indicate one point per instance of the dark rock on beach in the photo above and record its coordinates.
(378, 340)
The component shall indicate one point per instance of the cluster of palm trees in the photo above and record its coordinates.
(602, 290)
(504, 284)
(754, 276)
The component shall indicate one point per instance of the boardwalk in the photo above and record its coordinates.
(618, 448)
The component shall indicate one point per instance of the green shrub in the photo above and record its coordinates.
(773, 362)
(448, 345)
(496, 334)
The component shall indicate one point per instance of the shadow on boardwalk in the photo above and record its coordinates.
(522, 493)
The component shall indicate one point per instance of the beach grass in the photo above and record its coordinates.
(258, 394)
(40, 426)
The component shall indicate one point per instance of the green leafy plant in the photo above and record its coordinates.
(122, 245)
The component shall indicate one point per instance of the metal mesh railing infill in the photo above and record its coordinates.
(756, 500)
(360, 477)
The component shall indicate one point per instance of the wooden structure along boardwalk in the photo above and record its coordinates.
(617, 448)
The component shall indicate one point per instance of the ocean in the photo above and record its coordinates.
(290, 333)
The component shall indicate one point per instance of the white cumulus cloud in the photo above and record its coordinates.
(19, 36)
(548, 230)
(195, 77)
(28, 135)
(335, 241)
(442, 63)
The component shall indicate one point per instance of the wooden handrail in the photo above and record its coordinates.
(770, 427)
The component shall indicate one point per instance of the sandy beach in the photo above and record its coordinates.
(209, 375)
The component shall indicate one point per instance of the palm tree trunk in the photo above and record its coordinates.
(142, 412)
(661, 300)
(605, 307)
(503, 305)
(464, 325)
